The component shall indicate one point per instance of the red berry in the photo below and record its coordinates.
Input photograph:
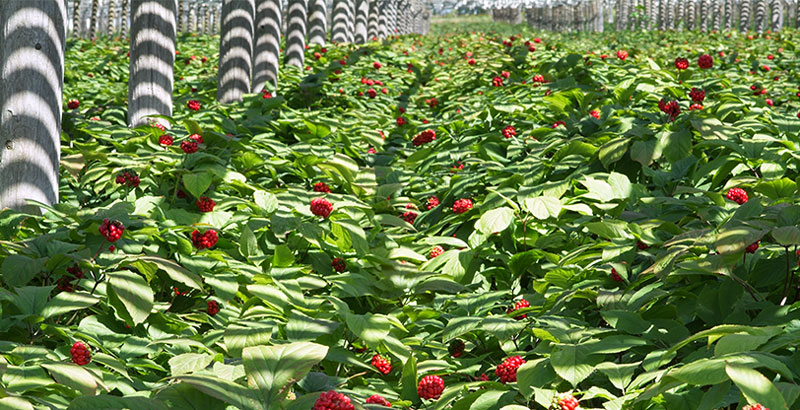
(333, 401)
(81, 355)
(128, 177)
(752, 247)
(697, 95)
(380, 363)
(507, 371)
(705, 61)
(409, 216)
(615, 275)
(430, 387)
(432, 202)
(595, 114)
(520, 304)
(737, 195)
(462, 205)
(196, 138)
(401, 121)
(165, 140)
(483, 377)
(424, 137)
(321, 207)
(497, 82)
(189, 147)
(194, 105)
(565, 401)
(206, 204)
(64, 284)
(754, 407)
(321, 187)
(509, 132)
(622, 55)
(75, 271)
(205, 240)
(213, 308)
(376, 65)
(112, 230)
(641, 245)
(372, 93)
(681, 63)
(73, 104)
(436, 251)
(375, 399)
(339, 264)
(456, 348)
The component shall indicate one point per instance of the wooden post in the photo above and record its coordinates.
(152, 48)
(123, 19)
(776, 22)
(296, 33)
(362, 15)
(340, 17)
(373, 23)
(317, 21)
(32, 43)
(761, 15)
(236, 50)
(744, 16)
(267, 48)
(383, 18)
(76, 18)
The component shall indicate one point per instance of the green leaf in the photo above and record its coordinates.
(73, 376)
(370, 328)
(755, 387)
(106, 402)
(66, 302)
(613, 151)
(572, 363)
(408, 380)
(183, 396)
(15, 403)
(134, 292)
(786, 235)
(543, 207)
(189, 363)
(273, 369)
(197, 183)
(777, 188)
(18, 270)
(266, 201)
(534, 374)
(175, 271)
(494, 221)
(243, 334)
(229, 392)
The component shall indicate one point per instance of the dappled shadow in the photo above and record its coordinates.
(317, 21)
(152, 49)
(362, 14)
(32, 48)
(383, 18)
(296, 33)
(236, 50)
(267, 48)
(342, 21)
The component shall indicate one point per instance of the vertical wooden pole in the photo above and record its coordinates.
(317, 21)
(267, 48)
(236, 50)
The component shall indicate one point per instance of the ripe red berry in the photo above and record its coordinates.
(333, 401)
(430, 387)
(509, 132)
(697, 95)
(641, 245)
(165, 140)
(456, 348)
(64, 284)
(321, 187)
(193, 105)
(705, 61)
(189, 147)
(424, 137)
(213, 308)
(497, 82)
(752, 247)
(565, 401)
(436, 251)
(75, 271)
(756, 406)
(376, 65)
(112, 230)
(128, 177)
(380, 363)
(507, 371)
(205, 204)
(73, 104)
(321, 207)
(204, 240)
(595, 114)
(471, 61)
(557, 123)
(196, 138)
(462, 205)
(615, 275)
(339, 264)
(520, 304)
(372, 93)
(401, 121)
(81, 355)
(375, 399)
(432, 202)
(622, 55)
(681, 63)
(737, 195)
(409, 216)
(483, 377)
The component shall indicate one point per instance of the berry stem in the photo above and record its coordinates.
(787, 278)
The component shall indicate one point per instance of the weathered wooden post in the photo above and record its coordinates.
(383, 18)
(235, 50)
(341, 15)
(362, 15)
(373, 23)
(744, 16)
(761, 15)
(32, 43)
(317, 21)
(152, 48)
(76, 18)
(267, 48)
(296, 33)
(776, 21)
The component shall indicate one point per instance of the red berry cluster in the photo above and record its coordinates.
(75, 271)
(758, 89)
(681, 63)
(159, 126)
(752, 247)
(266, 94)
(507, 371)
(401, 121)
(372, 93)
(641, 245)
(497, 82)
(622, 55)
(595, 114)
(471, 61)
(615, 275)
(321, 207)
(205, 204)
(430, 387)
(128, 177)
(756, 406)
(705, 61)
(670, 108)
(375, 399)
(538, 79)
(557, 123)
(433, 102)
(196, 138)
(193, 105)
(436, 251)
(409, 216)
(432, 202)
(112, 230)
(462, 205)
(380, 363)
(73, 104)
(321, 187)
(204, 240)
(737, 195)
(333, 401)
(509, 132)
(424, 137)
(65, 284)
(189, 147)
(339, 264)
(520, 304)
(213, 308)
(697, 95)
(565, 401)
(81, 355)
(456, 348)
(377, 65)
(166, 140)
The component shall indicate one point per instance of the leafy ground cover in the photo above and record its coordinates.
(480, 220)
